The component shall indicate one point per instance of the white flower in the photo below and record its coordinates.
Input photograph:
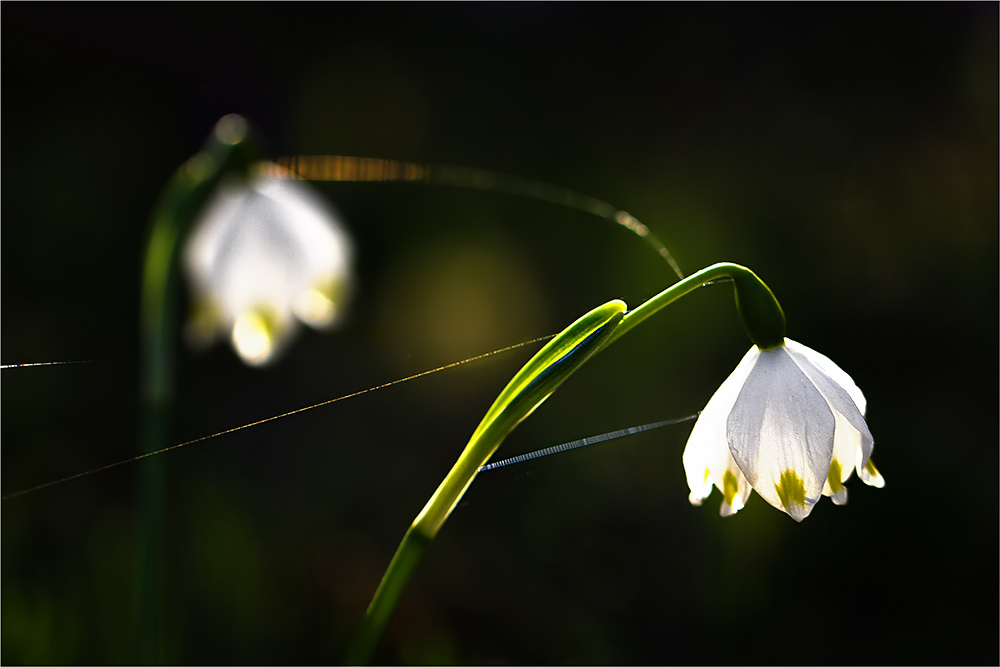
(265, 254)
(788, 423)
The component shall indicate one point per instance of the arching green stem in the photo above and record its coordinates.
(227, 151)
(760, 311)
(542, 375)
(349, 168)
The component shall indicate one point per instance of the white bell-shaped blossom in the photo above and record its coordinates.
(265, 254)
(788, 423)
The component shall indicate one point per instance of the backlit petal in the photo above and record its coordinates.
(706, 457)
(825, 364)
(324, 247)
(836, 387)
(734, 487)
(870, 475)
(781, 433)
(699, 477)
(846, 448)
(264, 253)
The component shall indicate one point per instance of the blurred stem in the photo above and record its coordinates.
(226, 151)
(348, 168)
(543, 374)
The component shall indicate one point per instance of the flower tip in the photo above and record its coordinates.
(870, 475)
(729, 509)
(791, 492)
(800, 511)
(253, 338)
(315, 308)
(834, 485)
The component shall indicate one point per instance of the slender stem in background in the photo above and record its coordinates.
(226, 151)
(346, 168)
(543, 374)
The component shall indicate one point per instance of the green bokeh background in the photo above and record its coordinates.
(848, 154)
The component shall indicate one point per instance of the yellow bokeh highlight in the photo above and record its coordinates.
(315, 307)
(454, 300)
(253, 337)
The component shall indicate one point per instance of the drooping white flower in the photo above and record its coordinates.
(788, 423)
(265, 254)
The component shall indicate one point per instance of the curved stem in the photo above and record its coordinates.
(759, 309)
(226, 151)
(347, 168)
(535, 382)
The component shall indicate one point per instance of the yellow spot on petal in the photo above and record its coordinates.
(707, 474)
(833, 477)
(730, 487)
(791, 489)
(253, 337)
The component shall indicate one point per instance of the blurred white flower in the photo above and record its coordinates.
(265, 254)
(788, 423)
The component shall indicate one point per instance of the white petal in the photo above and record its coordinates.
(205, 242)
(263, 253)
(824, 363)
(781, 433)
(870, 475)
(706, 457)
(846, 448)
(259, 335)
(837, 388)
(699, 477)
(325, 248)
(315, 308)
(734, 487)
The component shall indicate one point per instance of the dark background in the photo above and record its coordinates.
(848, 154)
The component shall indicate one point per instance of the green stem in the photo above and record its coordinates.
(347, 168)
(543, 374)
(227, 151)
(758, 308)
(535, 382)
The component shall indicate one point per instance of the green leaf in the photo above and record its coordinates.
(535, 382)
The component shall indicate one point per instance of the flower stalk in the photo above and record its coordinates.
(534, 383)
(537, 380)
(228, 150)
(762, 316)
